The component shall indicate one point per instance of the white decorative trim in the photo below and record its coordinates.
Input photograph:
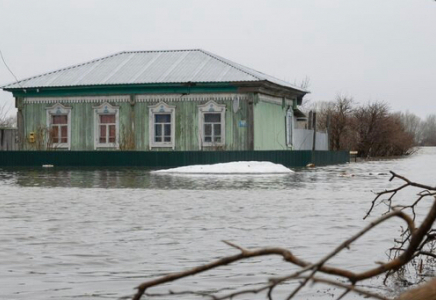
(161, 108)
(213, 107)
(235, 105)
(275, 100)
(102, 109)
(55, 110)
(91, 99)
(190, 97)
(290, 125)
(139, 98)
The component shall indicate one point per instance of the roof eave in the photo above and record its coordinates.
(264, 87)
(272, 89)
(118, 89)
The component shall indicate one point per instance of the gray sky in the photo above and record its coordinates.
(369, 49)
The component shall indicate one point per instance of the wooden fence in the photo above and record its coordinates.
(8, 139)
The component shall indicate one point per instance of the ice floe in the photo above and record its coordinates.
(239, 167)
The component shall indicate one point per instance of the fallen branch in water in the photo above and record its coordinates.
(416, 238)
(427, 245)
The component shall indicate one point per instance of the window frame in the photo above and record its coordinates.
(107, 129)
(106, 109)
(211, 107)
(161, 108)
(59, 110)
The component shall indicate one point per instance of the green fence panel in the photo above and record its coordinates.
(161, 159)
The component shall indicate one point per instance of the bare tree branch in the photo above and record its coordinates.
(394, 191)
(416, 238)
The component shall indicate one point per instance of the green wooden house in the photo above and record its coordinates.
(156, 100)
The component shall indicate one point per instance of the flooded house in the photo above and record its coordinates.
(180, 100)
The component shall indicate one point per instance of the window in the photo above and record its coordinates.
(59, 126)
(59, 129)
(212, 124)
(212, 127)
(162, 128)
(106, 126)
(161, 122)
(290, 127)
(107, 129)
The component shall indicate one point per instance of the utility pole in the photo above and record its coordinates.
(314, 131)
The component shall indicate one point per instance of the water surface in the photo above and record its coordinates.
(87, 233)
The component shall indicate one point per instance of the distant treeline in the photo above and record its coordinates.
(372, 129)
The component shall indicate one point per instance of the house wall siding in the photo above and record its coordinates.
(134, 125)
(269, 126)
(82, 118)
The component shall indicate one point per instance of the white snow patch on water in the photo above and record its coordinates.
(239, 167)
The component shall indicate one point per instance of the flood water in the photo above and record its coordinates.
(98, 233)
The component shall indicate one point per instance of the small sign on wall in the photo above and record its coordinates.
(242, 123)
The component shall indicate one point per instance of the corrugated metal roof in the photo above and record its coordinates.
(136, 67)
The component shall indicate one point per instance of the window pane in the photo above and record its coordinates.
(102, 133)
(162, 118)
(157, 130)
(62, 119)
(107, 119)
(64, 140)
(55, 131)
(207, 129)
(55, 134)
(217, 139)
(167, 139)
(167, 129)
(112, 131)
(158, 139)
(212, 118)
(64, 131)
(208, 139)
(217, 129)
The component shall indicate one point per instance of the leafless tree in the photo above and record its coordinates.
(412, 124)
(6, 120)
(429, 131)
(412, 245)
(424, 131)
(371, 129)
(304, 83)
(337, 118)
(378, 132)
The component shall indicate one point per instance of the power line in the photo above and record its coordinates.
(1, 54)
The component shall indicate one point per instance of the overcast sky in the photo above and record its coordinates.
(368, 49)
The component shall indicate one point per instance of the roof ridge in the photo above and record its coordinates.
(229, 63)
(293, 85)
(65, 68)
(169, 50)
(248, 70)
